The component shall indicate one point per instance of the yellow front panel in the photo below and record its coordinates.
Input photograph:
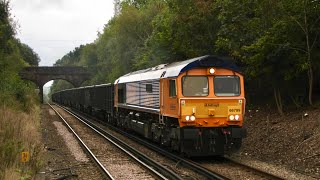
(211, 112)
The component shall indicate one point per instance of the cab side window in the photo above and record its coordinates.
(172, 88)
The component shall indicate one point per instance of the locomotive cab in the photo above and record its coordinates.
(209, 105)
(212, 100)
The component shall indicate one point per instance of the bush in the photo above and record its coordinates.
(19, 131)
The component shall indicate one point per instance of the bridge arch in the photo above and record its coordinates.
(76, 75)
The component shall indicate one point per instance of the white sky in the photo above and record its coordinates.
(52, 28)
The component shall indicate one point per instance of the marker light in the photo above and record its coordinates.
(231, 117)
(237, 117)
(192, 118)
(211, 71)
(187, 118)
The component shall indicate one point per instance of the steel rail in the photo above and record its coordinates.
(263, 173)
(187, 163)
(155, 167)
(103, 169)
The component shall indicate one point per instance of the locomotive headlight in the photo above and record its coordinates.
(237, 117)
(231, 117)
(187, 118)
(192, 118)
(211, 71)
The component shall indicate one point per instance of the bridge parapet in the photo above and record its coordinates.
(55, 70)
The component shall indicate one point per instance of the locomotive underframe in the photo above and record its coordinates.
(191, 141)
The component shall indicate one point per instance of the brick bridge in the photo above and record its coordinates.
(76, 75)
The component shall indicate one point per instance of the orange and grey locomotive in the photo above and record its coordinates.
(195, 107)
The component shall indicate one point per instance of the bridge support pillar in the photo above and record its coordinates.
(41, 94)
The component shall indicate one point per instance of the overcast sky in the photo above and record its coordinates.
(53, 28)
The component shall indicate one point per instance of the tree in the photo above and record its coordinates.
(276, 42)
(13, 91)
(257, 33)
(304, 18)
(29, 55)
(183, 29)
(6, 28)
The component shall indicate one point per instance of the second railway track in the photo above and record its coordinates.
(125, 164)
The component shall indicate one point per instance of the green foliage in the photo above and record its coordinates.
(6, 29)
(28, 54)
(14, 56)
(72, 58)
(16, 96)
(269, 37)
(276, 42)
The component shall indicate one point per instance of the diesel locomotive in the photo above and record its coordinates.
(195, 107)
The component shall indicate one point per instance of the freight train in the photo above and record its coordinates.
(195, 107)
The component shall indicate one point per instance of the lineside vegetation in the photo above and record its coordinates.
(19, 107)
(276, 42)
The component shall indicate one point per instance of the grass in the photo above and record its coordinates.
(19, 131)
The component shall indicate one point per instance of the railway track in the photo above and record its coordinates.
(99, 164)
(189, 166)
(239, 171)
(225, 169)
(230, 170)
(258, 172)
(140, 165)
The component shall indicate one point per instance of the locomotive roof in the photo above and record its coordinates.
(174, 69)
(84, 87)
